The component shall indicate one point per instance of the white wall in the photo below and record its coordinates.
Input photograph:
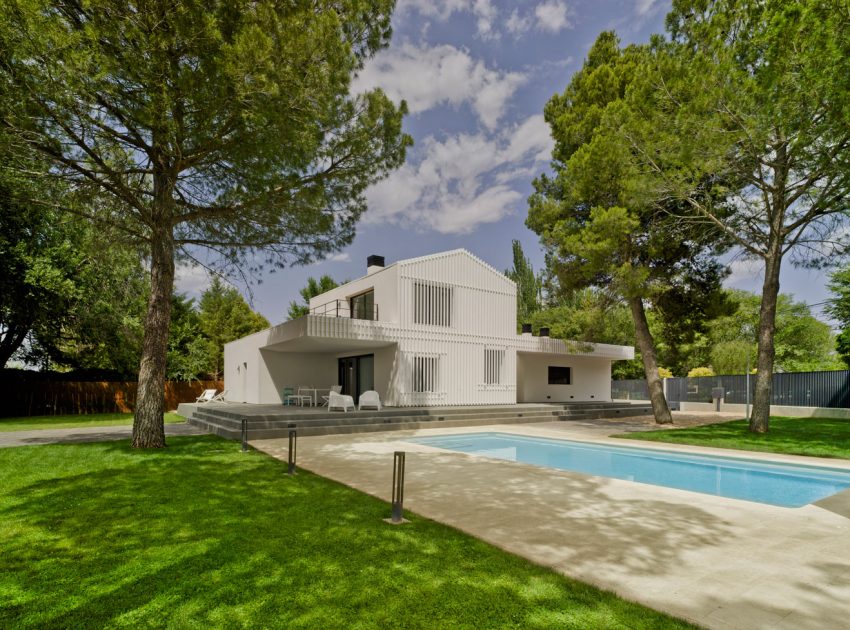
(385, 285)
(591, 378)
(483, 299)
(279, 370)
(241, 362)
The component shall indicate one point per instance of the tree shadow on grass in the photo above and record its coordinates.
(201, 535)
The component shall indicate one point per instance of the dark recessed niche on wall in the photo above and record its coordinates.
(559, 375)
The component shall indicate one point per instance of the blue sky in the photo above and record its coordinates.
(476, 75)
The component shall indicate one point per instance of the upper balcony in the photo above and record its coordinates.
(358, 307)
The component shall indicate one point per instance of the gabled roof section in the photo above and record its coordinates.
(457, 253)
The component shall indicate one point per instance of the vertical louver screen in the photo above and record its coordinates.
(432, 304)
(493, 361)
(425, 377)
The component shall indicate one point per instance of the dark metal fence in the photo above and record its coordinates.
(630, 389)
(796, 389)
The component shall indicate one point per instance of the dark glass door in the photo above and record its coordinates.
(357, 375)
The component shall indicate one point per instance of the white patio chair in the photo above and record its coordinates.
(305, 396)
(207, 396)
(340, 401)
(220, 397)
(370, 399)
(336, 389)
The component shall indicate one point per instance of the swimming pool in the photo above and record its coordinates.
(786, 485)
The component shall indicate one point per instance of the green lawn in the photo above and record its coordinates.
(199, 535)
(818, 437)
(74, 421)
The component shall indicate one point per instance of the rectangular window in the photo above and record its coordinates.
(425, 374)
(432, 304)
(493, 361)
(559, 375)
(363, 306)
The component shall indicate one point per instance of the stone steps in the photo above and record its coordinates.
(228, 422)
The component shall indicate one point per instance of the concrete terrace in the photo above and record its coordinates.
(721, 563)
(274, 420)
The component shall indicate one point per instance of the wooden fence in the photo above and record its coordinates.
(47, 398)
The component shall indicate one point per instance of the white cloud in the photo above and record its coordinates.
(427, 77)
(463, 181)
(647, 7)
(190, 279)
(341, 257)
(484, 11)
(744, 273)
(552, 16)
(517, 24)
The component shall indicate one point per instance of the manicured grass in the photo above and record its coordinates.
(74, 421)
(817, 437)
(199, 535)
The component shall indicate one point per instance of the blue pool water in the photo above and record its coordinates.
(776, 484)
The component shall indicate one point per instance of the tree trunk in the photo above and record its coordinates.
(149, 420)
(650, 363)
(13, 339)
(760, 418)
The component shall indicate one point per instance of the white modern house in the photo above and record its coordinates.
(430, 331)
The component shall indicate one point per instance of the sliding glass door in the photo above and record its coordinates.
(357, 375)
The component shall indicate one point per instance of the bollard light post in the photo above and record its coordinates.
(244, 434)
(293, 445)
(398, 489)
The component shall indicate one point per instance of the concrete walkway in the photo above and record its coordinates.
(84, 434)
(721, 563)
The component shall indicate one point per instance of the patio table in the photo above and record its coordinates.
(315, 391)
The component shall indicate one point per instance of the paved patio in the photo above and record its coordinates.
(720, 563)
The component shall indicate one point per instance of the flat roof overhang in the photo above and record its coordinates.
(325, 335)
(326, 345)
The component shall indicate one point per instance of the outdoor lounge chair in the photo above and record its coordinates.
(335, 389)
(340, 401)
(207, 396)
(370, 398)
(220, 397)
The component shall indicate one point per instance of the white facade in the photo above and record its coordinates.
(428, 331)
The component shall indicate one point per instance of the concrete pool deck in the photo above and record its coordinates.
(720, 563)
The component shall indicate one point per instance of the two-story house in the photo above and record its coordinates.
(428, 331)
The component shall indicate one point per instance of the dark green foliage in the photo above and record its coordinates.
(743, 118)
(839, 309)
(76, 295)
(39, 270)
(224, 316)
(528, 285)
(802, 342)
(199, 332)
(314, 287)
(602, 219)
(224, 125)
(200, 535)
(815, 437)
(189, 351)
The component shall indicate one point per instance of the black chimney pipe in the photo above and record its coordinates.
(375, 261)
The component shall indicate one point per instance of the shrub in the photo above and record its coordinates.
(701, 371)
